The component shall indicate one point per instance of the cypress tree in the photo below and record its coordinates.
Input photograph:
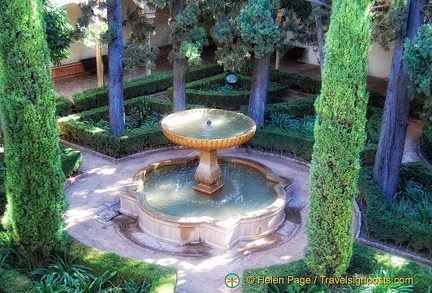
(34, 183)
(339, 138)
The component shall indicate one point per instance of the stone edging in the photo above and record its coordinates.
(358, 213)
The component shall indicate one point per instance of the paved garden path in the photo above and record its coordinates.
(95, 190)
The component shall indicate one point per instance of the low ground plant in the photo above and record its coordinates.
(139, 116)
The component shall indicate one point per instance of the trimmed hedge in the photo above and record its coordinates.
(98, 97)
(364, 261)
(426, 140)
(163, 278)
(75, 130)
(230, 100)
(14, 282)
(71, 159)
(385, 225)
(300, 145)
(63, 106)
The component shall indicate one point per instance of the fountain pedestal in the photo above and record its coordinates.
(208, 130)
(208, 173)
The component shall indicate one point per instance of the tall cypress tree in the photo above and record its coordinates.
(339, 138)
(34, 183)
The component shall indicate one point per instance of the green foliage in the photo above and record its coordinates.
(71, 159)
(339, 138)
(92, 26)
(365, 262)
(14, 282)
(225, 99)
(98, 97)
(387, 20)
(390, 225)
(305, 30)
(138, 116)
(293, 143)
(426, 140)
(162, 278)
(139, 55)
(187, 37)
(34, 182)
(63, 106)
(418, 61)
(58, 32)
(74, 129)
(257, 26)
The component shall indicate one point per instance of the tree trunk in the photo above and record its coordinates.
(258, 96)
(320, 38)
(115, 56)
(396, 112)
(99, 65)
(179, 68)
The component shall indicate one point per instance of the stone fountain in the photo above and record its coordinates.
(172, 207)
(208, 130)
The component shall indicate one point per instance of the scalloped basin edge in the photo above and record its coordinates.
(218, 234)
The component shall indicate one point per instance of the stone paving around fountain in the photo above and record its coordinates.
(93, 200)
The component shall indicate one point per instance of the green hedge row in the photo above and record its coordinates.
(227, 100)
(364, 261)
(426, 140)
(63, 106)
(385, 225)
(162, 278)
(74, 129)
(313, 86)
(297, 145)
(14, 282)
(71, 159)
(300, 145)
(98, 97)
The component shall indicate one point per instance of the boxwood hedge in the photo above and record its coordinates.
(386, 225)
(426, 140)
(227, 99)
(300, 145)
(98, 97)
(14, 282)
(74, 129)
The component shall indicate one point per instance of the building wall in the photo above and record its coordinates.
(379, 60)
(80, 51)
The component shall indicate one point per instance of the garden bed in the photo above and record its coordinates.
(404, 224)
(215, 92)
(88, 129)
(288, 131)
(98, 97)
(364, 262)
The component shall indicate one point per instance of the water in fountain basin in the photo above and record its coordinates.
(169, 190)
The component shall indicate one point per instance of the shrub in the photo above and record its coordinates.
(426, 140)
(385, 224)
(300, 145)
(34, 180)
(75, 130)
(71, 159)
(365, 261)
(63, 106)
(14, 282)
(197, 94)
(163, 279)
(339, 135)
(98, 97)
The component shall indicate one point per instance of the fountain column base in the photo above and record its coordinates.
(208, 173)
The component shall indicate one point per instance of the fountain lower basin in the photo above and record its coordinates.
(219, 232)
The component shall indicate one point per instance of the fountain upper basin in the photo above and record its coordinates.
(226, 129)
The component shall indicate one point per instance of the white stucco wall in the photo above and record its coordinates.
(80, 51)
(379, 60)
